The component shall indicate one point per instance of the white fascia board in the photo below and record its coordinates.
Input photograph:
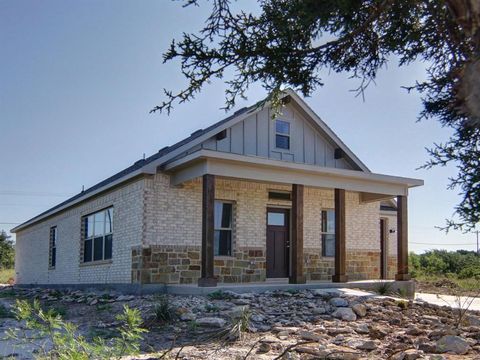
(79, 200)
(257, 162)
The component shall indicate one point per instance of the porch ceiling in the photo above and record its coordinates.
(373, 187)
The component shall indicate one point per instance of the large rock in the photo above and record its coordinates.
(211, 322)
(338, 302)
(367, 345)
(359, 309)
(452, 344)
(345, 313)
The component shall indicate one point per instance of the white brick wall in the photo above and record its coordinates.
(32, 245)
(152, 212)
(174, 214)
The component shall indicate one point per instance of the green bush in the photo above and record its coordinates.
(67, 343)
(460, 263)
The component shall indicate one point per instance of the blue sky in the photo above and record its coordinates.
(78, 78)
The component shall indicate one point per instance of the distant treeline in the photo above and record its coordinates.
(461, 263)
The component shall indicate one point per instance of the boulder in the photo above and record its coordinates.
(211, 322)
(345, 313)
(338, 302)
(309, 336)
(452, 344)
(367, 345)
(360, 309)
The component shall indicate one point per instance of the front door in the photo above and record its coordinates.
(383, 249)
(277, 242)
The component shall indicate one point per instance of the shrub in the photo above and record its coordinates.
(383, 288)
(67, 343)
(470, 272)
(219, 295)
(163, 310)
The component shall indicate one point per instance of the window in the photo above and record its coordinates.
(223, 228)
(282, 134)
(97, 235)
(52, 254)
(328, 233)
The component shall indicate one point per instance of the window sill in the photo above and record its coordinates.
(94, 263)
(51, 268)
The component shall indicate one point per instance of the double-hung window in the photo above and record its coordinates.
(223, 228)
(98, 235)
(282, 134)
(52, 253)
(328, 233)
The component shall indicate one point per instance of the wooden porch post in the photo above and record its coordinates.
(340, 239)
(297, 276)
(402, 239)
(207, 253)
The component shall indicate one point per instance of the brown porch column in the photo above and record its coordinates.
(402, 239)
(340, 239)
(207, 253)
(297, 276)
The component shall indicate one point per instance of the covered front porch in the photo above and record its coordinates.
(212, 166)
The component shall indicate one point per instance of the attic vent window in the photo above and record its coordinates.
(221, 135)
(282, 134)
(277, 195)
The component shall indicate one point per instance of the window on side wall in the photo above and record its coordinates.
(223, 228)
(98, 236)
(52, 253)
(328, 233)
(282, 134)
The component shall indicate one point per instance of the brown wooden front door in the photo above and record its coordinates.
(383, 249)
(278, 242)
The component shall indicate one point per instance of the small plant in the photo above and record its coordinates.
(383, 288)
(402, 304)
(58, 310)
(239, 325)
(163, 310)
(219, 295)
(192, 326)
(67, 343)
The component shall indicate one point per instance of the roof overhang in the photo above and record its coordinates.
(373, 187)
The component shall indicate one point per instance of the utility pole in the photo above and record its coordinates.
(478, 250)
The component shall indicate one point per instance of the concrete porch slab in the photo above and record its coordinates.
(406, 288)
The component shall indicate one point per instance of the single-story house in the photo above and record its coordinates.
(247, 199)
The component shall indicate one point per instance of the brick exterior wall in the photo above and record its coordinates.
(173, 216)
(157, 236)
(32, 244)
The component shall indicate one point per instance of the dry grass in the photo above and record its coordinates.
(6, 275)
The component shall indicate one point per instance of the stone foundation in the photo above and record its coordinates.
(181, 265)
(176, 264)
(166, 264)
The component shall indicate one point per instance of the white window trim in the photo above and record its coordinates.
(289, 135)
(231, 229)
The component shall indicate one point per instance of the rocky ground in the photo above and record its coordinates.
(308, 324)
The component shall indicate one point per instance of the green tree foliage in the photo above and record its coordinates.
(462, 264)
(7, 251)
(288, 42)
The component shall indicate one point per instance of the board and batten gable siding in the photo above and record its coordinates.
(32, 243)
(255, 136)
